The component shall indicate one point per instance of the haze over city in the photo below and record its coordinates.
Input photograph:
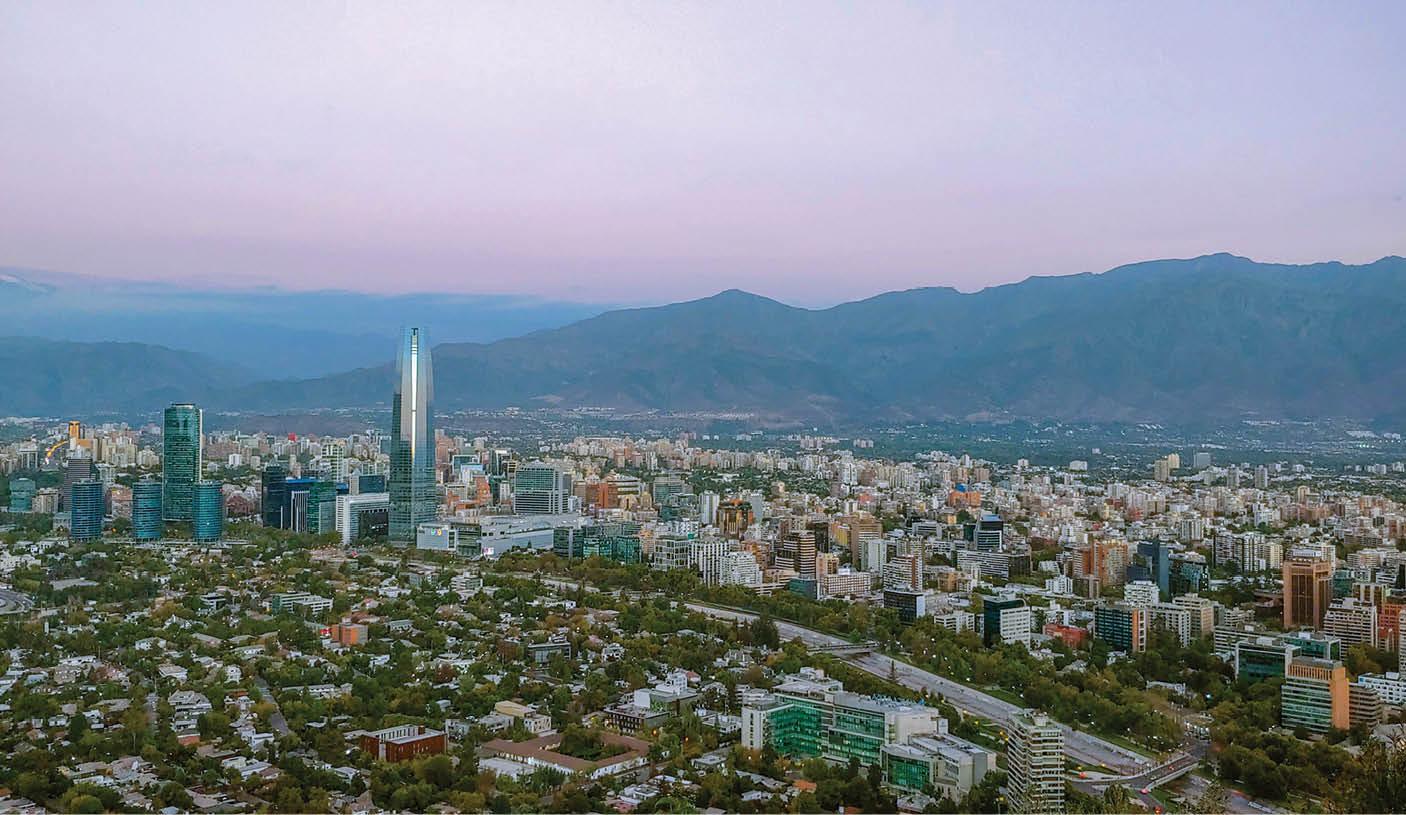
(646, 153)
(702, 407)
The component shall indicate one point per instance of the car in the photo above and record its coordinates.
(1083, 774)
(1145, 790)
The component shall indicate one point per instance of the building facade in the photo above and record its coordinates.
(413, 494)
(182, 437)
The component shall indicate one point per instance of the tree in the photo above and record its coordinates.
(437, 770)
(1376, 782)
(1213, 799)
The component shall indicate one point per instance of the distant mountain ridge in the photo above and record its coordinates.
(277, 333)
(1213, 337)
(54, 378)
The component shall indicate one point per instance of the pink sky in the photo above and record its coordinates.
(623, 152)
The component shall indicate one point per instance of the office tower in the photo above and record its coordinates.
(322, 507)
(182, 427)
(1201, 460)
(295, 511)
(207, 509)
(986, 534)
(1187, 573)
(414, 497)
(1004, 620)
(540, 489)
(802, 543)
(862, 530)
(734, 518)
(361, 515)
(274, 484)
(1035, 764)
(370, 482)
(708, 502)
(1123, 627)
(1308, 589)
(85, 520)
(77, 467)
(147, 524)
(1156, 563)
(1315, 695)
(666, 487)
(821, 530)
(1261, 477)
(22, 492)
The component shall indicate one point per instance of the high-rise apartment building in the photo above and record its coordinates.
(1035, 764)
(1308, 589)
(414, 496)
(182, 434)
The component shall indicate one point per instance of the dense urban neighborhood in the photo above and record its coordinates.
(420, 620)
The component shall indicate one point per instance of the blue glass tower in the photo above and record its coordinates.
(85, 521)
(147, 524)
(208, 511)
(414, 498)
(182, 430)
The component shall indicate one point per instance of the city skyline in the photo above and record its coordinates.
(650, 154)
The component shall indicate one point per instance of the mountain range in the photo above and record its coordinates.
(1213, 337)
(275, 333)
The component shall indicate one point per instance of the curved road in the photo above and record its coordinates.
(12, 602)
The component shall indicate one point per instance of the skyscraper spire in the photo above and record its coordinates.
(414, 498)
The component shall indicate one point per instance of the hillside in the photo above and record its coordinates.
(51, 378)
(1212, 337)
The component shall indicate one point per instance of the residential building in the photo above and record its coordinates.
(1035, 764)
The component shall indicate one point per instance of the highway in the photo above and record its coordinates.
(1135, 771)
(12, 602)
(1081, 747)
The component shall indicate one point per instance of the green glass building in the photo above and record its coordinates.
(322, 507)
(182, 429)
(208, 511)
(414, 496)
(22, 492)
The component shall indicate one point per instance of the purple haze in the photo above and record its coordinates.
(656, 151)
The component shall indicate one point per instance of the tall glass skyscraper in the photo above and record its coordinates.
(208, 511)
(180, 461)
(86, 511)
(146, 510)
(414, 497)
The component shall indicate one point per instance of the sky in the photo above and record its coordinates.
(620, 152)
